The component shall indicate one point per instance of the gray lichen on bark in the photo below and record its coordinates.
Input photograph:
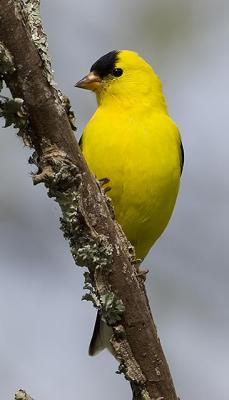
(14, 113)
(22, 395)
(89, 249)
(6, 63)
(32, 9)
(12, 109)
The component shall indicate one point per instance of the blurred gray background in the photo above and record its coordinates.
(45, 328)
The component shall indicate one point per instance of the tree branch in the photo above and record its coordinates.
(22, 395)
(96, 240)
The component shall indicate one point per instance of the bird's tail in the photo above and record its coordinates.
(101, 337)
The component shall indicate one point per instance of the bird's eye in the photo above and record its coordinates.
(117, 72)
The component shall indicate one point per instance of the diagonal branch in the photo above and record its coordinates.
(96, 240)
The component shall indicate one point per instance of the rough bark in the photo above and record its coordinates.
(22, 395)
(96, 240)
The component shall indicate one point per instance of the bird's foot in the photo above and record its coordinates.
(103, 182)
(141, 272)
(107, 189)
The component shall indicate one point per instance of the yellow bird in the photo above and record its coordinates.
(132, 141)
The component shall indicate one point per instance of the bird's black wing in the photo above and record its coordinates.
(181, 157)
(81, 142)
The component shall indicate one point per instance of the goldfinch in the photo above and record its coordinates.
(132, 141)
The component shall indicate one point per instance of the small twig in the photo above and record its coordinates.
(22, 395)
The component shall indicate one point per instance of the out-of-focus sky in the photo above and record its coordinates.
(45, 328)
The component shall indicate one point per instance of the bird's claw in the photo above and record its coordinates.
(141, 273)
(107, 189)
(103, 181)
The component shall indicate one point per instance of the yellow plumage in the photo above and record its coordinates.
(132, 141)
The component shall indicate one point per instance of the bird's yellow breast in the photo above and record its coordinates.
(140, 153)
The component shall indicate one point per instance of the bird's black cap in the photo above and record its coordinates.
(105, 64)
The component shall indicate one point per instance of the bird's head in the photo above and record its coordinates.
(123, 76)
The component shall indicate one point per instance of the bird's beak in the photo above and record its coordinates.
(90, 82)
